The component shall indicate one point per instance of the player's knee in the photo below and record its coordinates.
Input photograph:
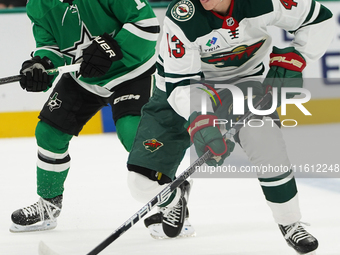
(141, 187)
(264, 144)
(51, 139)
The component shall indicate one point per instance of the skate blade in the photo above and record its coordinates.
(156, 231)
(45, 225)
(309, 253)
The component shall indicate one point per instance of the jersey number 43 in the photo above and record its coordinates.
(178, 50)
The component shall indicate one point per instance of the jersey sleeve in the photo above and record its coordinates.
(179, 65)
(140, 30)
(311, 23)
(44, 40)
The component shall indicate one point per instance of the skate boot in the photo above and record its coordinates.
(299, 239)
(154, 224)
(173, 217)
(40, 216)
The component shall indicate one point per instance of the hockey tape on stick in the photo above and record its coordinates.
(60, 69)
(163, 195)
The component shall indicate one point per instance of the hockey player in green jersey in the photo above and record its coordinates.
(115, 42)
(226, 41)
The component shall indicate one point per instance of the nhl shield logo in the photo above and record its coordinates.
(152, 144)
(230, 22)
(183, 10)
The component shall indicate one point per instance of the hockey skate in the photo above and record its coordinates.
(154, 224)
(299, 239)
(173, 217)
(42, 215)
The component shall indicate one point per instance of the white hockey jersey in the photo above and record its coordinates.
(200, 44)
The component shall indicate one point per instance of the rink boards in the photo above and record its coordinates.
(19, 110)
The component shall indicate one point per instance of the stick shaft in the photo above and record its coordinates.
(10, 79)
(60, 69)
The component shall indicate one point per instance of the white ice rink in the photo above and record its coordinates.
(230, 216)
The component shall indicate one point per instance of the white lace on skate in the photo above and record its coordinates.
(299, 239)
(38, 208)
(172, 215)
(296, 232)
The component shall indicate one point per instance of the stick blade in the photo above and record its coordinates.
(45, 250)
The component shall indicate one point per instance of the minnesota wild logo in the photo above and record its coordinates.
(183, 10)
(152, 144)
(236, 57)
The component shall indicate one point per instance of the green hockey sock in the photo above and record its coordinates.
(126, 130)
(53, 160)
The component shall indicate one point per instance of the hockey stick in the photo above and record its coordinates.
(60, 69)
(162, 196)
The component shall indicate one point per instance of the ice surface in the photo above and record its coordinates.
(230, 216)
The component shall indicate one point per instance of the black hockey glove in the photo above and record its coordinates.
(98, 57)
(35, 77)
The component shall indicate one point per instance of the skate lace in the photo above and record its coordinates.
(32, 209)
(296, 232)
(39, 208)
(173, 215)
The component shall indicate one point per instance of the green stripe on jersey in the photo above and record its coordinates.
(311, 11)
(324, 14)
(170, 86)
(173, 75)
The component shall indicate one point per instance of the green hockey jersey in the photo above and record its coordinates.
(62, 31)
(200, 44)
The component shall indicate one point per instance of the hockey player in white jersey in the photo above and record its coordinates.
(226, 41)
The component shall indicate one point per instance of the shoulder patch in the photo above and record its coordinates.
(183, 10)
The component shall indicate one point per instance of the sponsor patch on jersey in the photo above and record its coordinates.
(183, 10)
(152, 144)
(211, 42)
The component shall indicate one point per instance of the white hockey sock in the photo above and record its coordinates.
(143, 189)
(265, 147)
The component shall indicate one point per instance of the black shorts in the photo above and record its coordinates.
(70, 106)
